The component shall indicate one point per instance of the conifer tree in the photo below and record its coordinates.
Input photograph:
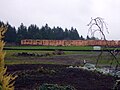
(6, 80)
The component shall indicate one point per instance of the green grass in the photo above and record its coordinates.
(111, 48)
(106, 62)
(53, 47)
(89, 56)
(11, 59)
(107, 58)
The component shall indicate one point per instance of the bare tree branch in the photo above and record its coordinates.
(101, 26)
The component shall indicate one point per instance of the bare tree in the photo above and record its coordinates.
(101, 26)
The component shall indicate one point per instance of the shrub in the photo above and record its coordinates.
(6, 80)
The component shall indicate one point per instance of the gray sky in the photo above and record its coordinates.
(63, 13)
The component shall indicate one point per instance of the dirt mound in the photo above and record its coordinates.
(32, 76)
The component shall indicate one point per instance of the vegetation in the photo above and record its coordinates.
(52, 48)
(101, 26)
(73, 57)
(6, 80)
(45, 32)
(49, 47)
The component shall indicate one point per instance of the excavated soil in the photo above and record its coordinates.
(30, 77)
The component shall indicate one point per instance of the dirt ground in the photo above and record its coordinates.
(30, 77)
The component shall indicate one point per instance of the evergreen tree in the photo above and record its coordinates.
(1, 23)
(88, 38)
(6, 79)
(74, 34)
(10, 35)
(94, 38)
(81, 38)
(43, 33)
(53, 33)
(22, 33)
(59, 33)
(47, 32)
(91, 38)
(33, 32)
(66, 34)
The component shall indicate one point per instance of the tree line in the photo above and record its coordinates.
(14, 35)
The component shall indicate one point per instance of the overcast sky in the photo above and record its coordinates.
(63, 13)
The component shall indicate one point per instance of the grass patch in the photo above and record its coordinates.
(76, 56)
(51, 47)
(56, 47)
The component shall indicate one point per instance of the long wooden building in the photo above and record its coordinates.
(70, 42)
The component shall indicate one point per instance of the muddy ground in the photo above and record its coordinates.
(30, 77)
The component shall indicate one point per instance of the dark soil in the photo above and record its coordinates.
(30, 77)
